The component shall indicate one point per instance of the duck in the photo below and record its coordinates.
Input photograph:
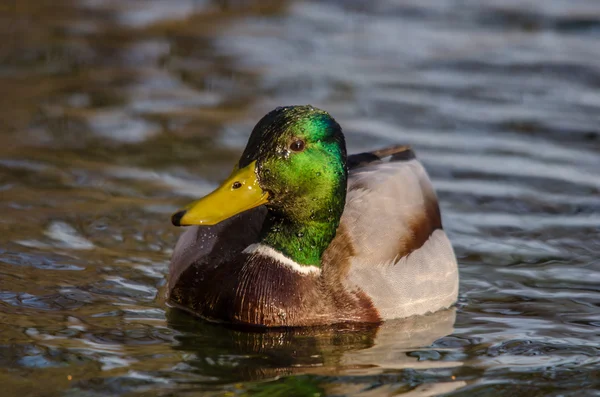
(302, 234)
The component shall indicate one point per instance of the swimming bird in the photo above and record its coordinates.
(300, 234)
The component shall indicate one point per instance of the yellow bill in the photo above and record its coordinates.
(239, 193)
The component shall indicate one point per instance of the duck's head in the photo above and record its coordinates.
(294, 163)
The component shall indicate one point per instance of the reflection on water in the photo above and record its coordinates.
(351, 349)
(115, 113)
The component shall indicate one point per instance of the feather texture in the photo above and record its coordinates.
(390, 257)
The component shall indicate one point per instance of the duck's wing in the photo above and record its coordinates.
(200, 245)
(390, 243)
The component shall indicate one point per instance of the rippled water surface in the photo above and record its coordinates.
(114, 113)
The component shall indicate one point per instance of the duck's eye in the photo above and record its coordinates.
(297, 145)
(236, 185)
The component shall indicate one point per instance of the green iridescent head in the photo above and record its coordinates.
(300, 157)
(295, 164)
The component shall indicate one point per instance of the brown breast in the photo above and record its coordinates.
(258, 290)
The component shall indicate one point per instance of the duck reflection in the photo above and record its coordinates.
(231, 355)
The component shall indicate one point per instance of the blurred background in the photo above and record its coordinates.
(114, 113)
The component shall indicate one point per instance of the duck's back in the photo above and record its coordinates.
(398, 253)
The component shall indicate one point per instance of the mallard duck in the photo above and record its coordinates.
(301, 234)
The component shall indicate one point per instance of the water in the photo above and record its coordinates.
(115, 113)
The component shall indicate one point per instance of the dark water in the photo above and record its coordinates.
(114, 113)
